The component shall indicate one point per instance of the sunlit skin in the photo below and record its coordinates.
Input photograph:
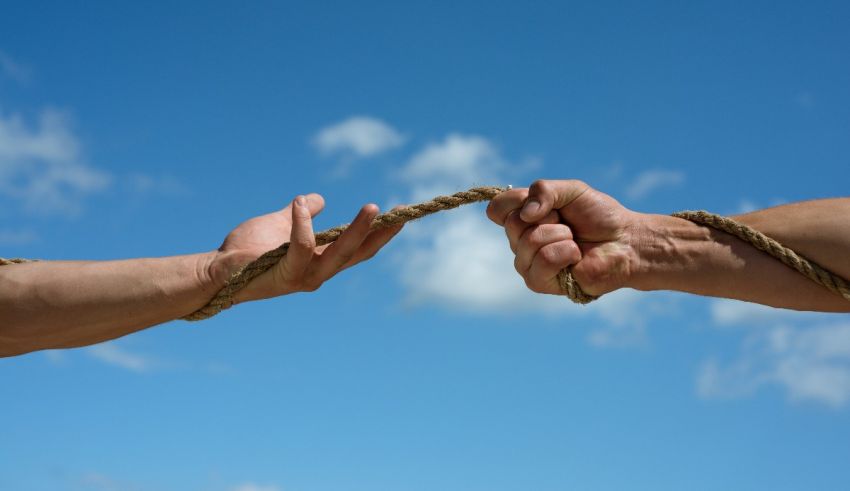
(64, 304)
(557, 224)
(550, 226)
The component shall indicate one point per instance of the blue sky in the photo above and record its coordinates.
(152, 129)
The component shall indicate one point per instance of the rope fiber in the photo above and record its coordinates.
(224, 298)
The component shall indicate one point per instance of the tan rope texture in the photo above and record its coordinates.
(14, 260)
(806, 267)
(224, 298)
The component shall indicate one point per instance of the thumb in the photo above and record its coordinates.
(543, 196)
(315, 203)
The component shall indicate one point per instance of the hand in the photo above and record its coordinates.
(305, 266)
(567, 224)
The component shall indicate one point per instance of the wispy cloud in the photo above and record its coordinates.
(461, 261)
(648, 181)
(41, 167)
(357, 137)
(806, 354)
(11, 69)
(111, 354)
(115, 354)
(146, 184)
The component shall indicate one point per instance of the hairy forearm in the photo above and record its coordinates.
(675, 254)
(58, 304)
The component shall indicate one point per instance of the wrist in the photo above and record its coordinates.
(666, 248)
(207, 273)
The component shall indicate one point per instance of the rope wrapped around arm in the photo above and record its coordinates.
(224, 298)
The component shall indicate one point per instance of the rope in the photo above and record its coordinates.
(14, 260)
(224, 298)
(806, 267)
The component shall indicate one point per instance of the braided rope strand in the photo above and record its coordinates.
(14, 260)
(569, 286)
(224, 298)
(804, 266)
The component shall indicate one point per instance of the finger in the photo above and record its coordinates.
(342, 250)
(373, 243)
(542, 276)
(315, 203)
(544, 195)
(536, 238)
(500, 206)
(516, 226)
(302, 242)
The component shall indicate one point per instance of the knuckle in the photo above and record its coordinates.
(550, 255)
(540, 186)
(538, 237)
(514, 225)
(573, 252)
(303, 243)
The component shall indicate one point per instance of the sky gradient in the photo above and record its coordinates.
(153, 129)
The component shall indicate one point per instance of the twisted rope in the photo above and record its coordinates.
(806, 267)
(224, 298)
(14, 260)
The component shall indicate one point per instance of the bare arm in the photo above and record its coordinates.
(610, 247)
(58, 304)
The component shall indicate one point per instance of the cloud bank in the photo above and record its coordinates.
(41, 168)
(805, 354)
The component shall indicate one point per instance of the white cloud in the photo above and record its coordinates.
(256, 487)
(111, 354)
(459, 160)
(358, 136)
(461, 261)
(12, 69)
(811, 363)
(41, 167)
(806, 353)
(649, 181)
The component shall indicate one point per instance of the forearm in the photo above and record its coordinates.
(675, 254)
(57, 304)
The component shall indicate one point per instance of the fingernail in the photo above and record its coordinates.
(301, 201)
(531, 207)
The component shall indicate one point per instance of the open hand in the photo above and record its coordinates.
(305, 266)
